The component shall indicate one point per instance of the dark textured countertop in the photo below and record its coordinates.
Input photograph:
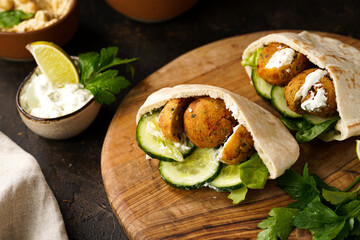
(72, 167)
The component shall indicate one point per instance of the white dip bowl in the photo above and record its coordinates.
(62, 127)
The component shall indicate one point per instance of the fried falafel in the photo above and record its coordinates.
(323, 88)
(278, 64)
(171, 121)
(238, 148)
(207, 122)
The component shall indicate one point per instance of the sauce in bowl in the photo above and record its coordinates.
(40, 98)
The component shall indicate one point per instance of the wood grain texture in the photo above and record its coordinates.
(148, 208)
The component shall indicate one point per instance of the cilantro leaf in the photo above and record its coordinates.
(104, 84)
(346, 230)
(87, 62)
(238, 195)
(108, 59)
(348, 208)
(356, 228)
(335, 197)
(322, 185)
(278, 224)
(300, 188)
(107, 56)
(14, 17)
(322, 222)
(315, 203)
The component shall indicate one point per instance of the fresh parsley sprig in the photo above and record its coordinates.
(95, 75)
(324, 210)
(14, 17)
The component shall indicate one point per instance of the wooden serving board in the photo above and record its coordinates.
(148, 208)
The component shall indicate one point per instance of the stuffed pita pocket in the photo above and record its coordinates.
(272, 142)
(321, 77)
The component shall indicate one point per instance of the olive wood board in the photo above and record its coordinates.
(148, 208)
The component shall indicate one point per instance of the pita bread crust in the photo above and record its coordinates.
(276, 146)
(343, 65)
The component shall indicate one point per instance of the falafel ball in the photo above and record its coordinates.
(238, 148)
(207, 122)
(323, 87)
(278, 64)
(171, 118)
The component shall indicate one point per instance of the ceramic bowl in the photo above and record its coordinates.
(151, 10)
(63, 127)
(12, 44)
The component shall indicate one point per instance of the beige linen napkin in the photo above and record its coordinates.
(28, 208)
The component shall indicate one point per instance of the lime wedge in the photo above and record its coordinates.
(358, 148)
(54, 63)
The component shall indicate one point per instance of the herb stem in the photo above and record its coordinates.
(352, 184)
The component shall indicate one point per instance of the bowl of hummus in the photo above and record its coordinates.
(25, 21)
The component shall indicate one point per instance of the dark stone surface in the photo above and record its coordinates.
(72, 167)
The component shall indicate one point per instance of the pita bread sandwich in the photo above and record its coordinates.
(208, 136)
(313, 81)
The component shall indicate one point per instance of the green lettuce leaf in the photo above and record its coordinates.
(238, 195)
(252, 60)
(254, 173)
(307, 135)
(296, 124)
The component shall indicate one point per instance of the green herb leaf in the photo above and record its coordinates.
(348, 208)
(300, 188)
(238, 195)
(278, 224)
(253, 172)
(320, 220)
(106, 85)
(322, 185)
(108, 59)
(253, 59)
(356, 229)
(346, 230)
(323, 222)
(14, 17)
(336, 197)
(96, 77)
(88, 63)
(309, 134)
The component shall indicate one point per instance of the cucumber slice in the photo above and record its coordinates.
(262, 87)
(201, 167)
(228, 179)
(279, 102)
(151, 140)
(315, 119)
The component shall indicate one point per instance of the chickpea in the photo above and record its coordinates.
(6, 5)
(26, 5)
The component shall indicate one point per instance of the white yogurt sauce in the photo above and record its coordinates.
(40, 98)
(281, 58)
(317, 101)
